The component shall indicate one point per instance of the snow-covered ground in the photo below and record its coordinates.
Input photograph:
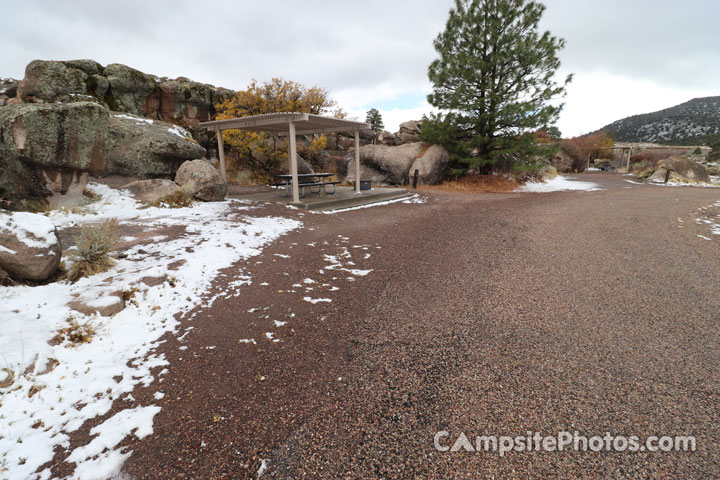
(558, 183)
(411, 199)
(709, 216)
(661, 183)
(52, 389)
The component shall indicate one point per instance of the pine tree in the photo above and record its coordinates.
(714, 154)
(375, 119)
(493, 80)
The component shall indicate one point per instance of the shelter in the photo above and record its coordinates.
(290, 124)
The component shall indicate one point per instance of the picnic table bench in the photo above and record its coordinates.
(283, 183)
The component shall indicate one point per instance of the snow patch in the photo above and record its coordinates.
(369, 205)
(317, 300)
(71, 384)
(23, 225)
(558, 184)
(138, 120)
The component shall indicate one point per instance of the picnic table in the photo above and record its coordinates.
(319, 181)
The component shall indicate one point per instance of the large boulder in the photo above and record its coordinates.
(386, 138)
(118, 87)
(207, 183)
(51, 81)
(51, 148)
(682, 169)
(69, 81)
(21, 184)
(151, 191)
(303, 166)
(431, 165)
(411, 127)
(182, 100)
(562, 162)
(131, 90)
(409, 132)
(147, 148)
(29, 246)
(368, 174)
(383, 164)
(60, 136)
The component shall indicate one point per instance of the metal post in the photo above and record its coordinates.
(293, 162)
(415, 178)
(628, 160)
(221, 154)
(357, 161)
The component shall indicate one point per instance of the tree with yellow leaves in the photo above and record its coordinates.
(262, 151)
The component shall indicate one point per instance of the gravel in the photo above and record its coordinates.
(491, 314)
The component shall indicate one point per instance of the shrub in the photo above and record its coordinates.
(714, 154)
(262, 152)
(75, 332)
(90, 195)
(714, 171)
(591, 146)
(9, 378)
(533, 171)
(476, 183)
(181, 197)
(652, 157)
(37, 205)
(94, 245)
(697, 151)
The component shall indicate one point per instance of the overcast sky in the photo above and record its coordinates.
(628, 57)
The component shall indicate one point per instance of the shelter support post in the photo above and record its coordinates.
(357, 161)
(292, 152)
(221, 154)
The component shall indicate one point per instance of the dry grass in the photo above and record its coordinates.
(476, 184)
(9, 378)
(75, 333)
(94, 244)
(181, 197)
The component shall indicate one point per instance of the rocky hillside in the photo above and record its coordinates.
(696, 122)
(66, 120)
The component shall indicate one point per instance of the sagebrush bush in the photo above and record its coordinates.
(94, 245)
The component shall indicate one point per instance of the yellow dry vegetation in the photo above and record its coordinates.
(261, 151)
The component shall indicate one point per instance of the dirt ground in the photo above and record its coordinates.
(494, 314)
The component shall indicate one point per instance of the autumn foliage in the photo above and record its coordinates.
(588, 147)
(652, 157)
(262, 152)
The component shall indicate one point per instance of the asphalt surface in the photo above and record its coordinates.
(495, 314)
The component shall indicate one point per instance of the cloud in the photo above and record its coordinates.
(596, 99)
(628, 57)
(671, 42)
(392, 118)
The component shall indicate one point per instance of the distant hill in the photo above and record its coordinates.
(696, 122)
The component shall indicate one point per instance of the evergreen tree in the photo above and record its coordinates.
(714, 154)
(493, 80)
(375, 119)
